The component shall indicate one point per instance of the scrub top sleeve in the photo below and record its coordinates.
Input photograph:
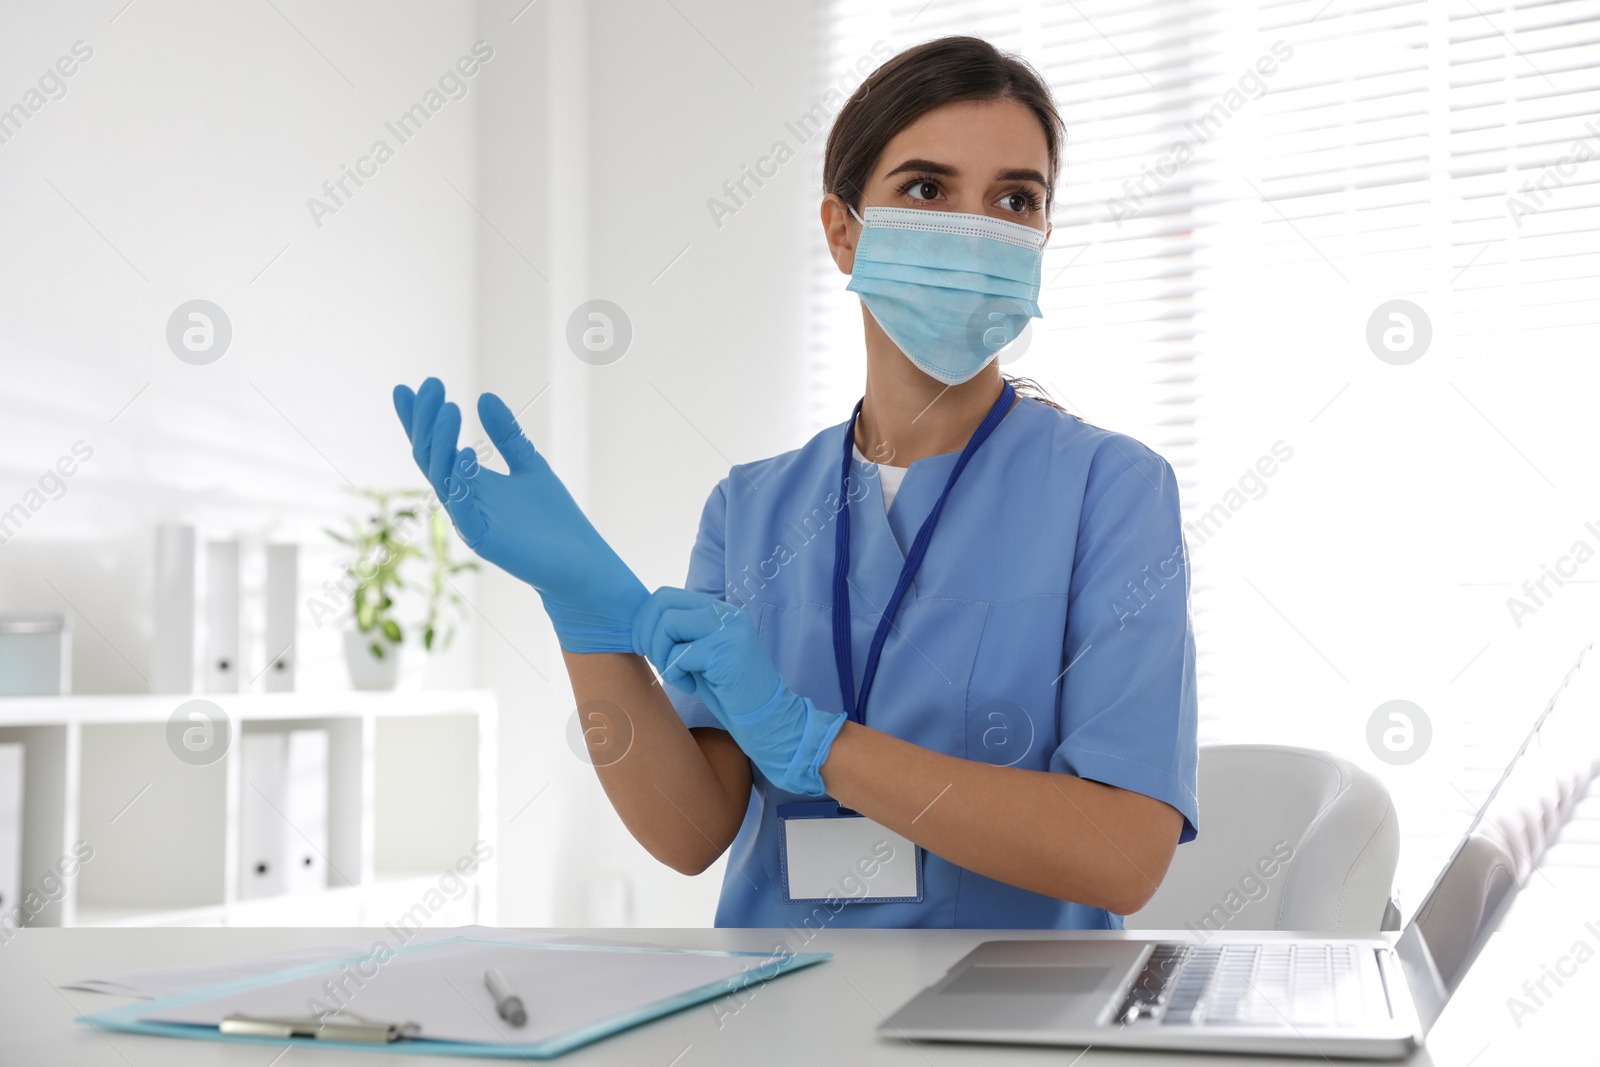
(707, 574)
(1128, 709)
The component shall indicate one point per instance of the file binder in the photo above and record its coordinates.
(172, 646)
(283, 812)
(283, 572)
(222, 667)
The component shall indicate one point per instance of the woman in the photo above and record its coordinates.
(1017, 614)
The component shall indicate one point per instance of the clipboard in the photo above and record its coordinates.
(625, 986)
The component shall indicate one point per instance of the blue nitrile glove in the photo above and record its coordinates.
(525, 522)
(702, 645)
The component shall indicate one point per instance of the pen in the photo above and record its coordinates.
(507, 1003)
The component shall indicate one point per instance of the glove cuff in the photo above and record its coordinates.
(804, 772)
(584, 640)
(818, 728)
(577, 632)
(607, 626)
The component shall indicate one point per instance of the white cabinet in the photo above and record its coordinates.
(390, 796)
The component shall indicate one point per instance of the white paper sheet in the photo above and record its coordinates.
(164, 981)
(442, 989)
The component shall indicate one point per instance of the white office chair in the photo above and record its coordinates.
(1290, 839)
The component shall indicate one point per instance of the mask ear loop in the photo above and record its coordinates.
(858, 217)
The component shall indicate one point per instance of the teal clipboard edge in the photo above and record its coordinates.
(127, 1018)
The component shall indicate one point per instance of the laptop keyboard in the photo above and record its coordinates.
(1268, 984)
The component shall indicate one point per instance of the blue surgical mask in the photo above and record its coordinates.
(950, 289)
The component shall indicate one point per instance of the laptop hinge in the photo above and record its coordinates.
(1385, 959)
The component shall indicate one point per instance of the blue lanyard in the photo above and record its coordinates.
(919, 548)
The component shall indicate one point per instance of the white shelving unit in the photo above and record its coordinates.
(410, 825)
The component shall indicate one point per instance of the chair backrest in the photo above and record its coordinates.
(1290, 839)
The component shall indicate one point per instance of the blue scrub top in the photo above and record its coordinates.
(1048, 628)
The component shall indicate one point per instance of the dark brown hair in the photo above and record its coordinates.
(918, 80)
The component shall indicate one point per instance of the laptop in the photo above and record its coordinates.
(1262, 992)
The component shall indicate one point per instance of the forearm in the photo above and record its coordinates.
(676, 803)
(1051, 833)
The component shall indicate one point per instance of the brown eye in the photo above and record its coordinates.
(1017, 202)
(923, 189)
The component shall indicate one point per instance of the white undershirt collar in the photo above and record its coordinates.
(889, 476)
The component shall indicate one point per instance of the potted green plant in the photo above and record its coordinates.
(383, 546)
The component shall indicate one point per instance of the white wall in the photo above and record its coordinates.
(645, 115)
(578, 165)
(178, 165)
(191, 141)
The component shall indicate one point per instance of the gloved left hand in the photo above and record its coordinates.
(706, 646)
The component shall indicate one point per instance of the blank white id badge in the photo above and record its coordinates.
(829, 852)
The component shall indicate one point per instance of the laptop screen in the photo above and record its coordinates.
(1483, 874)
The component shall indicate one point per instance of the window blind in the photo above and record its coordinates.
(1245, 189)
(1387, 162)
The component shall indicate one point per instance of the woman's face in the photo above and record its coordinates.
(979, 157)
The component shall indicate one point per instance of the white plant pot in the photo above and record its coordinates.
(366, 670)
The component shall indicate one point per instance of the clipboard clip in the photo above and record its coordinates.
(359, 1030)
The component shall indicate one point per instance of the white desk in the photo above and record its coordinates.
(826, 1014)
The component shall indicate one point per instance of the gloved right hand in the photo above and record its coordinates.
(524, 522)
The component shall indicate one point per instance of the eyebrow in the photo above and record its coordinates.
(1015, 174)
